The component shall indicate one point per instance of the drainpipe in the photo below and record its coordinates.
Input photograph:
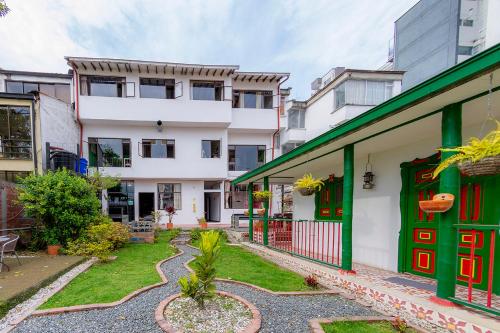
(33, 131)
(77, 106)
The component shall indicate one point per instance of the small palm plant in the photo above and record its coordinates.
(200, 285)
(307, 185)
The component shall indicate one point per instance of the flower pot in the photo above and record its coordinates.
(53, 250)
(170, 225)
(203, 225)
(246, 212)
(261, 211)
(440, 203)
(306, 191)
(483, 167)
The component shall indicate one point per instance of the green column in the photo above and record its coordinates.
(266, 212)
(449, 182)
(250, 211)
(347, 207)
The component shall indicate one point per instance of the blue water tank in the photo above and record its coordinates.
(83, 166)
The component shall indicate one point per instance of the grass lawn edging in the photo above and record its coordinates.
(76, 308)
(253, 326)
(315, 324)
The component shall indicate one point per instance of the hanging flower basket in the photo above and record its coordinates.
(261, 196)
(307, 185)
(486, 166)
(440, 203)
(306, 191)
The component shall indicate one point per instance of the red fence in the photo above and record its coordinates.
(316, 240)
(477, 267)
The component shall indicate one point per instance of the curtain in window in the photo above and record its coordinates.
(375, 91)
(355, 92)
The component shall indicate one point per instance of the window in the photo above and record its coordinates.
(362, 92)
(58, 90)
(104, 152)
(236, 197)
(158, 148)
(467, 23)
(464, 50)
(211, 185)
(207, 91)
(15, 132)
(13, 176)
(246, 157)
(157, 88)
(252, 99)
(169, 195)
(296, 118)
(106, 86)
(210, 148)
(290, 146)
(121, 201)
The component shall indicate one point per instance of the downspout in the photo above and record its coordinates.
(33, 131)
(77, 106)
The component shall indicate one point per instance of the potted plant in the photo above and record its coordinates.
(53, 245)
(170, 210)
(261, 211)
(261, 196)
(440, 203)
(479, 157)
(202, 222)
(307, 185)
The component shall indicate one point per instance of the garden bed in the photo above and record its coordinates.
(223, 313)
(360, 325)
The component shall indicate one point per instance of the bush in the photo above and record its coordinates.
(195, 235)
(312, 281)
(62, 202)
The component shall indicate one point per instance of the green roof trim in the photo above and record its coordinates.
(451, 77)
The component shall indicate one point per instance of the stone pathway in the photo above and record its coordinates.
(279, 313)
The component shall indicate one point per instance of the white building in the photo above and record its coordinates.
(176, 134)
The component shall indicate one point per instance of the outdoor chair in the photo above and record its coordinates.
(8, 245)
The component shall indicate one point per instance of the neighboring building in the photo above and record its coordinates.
(176, 134)
(337, 97)
(437, 34)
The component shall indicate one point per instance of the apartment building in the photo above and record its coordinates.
(435, 35)
(176, 134)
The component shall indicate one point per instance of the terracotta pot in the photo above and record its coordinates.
(261, 211)
(170, 225)
(246, 212)
(53, 250)
(203, 225)
(306, 191)
(440, 203)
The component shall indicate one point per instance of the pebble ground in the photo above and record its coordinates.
(280, 314)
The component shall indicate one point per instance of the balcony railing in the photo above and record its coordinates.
(114, 162)
(320, 241)
(15, 149)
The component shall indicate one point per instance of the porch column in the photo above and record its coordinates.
(449, 182)
(250, 211)
(266, 212)
(347, 207)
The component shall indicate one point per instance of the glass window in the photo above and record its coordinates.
(121, 201)
(246, 157)
(207, 91)
(210, 148)
(340, 96)
(467, 23)
(235, 197)
(267, 100)
(362, 92)
(236, 99)
(104, 152)
(296, 118)
(169, 195)
(102, 86)
(290, 146)
(157, 88)
(15, 132)
(211, 185)
(14, 87)
(250, 99)
(158, 148)
(30, 87)
(464, 50)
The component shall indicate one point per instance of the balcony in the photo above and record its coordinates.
(258, 120)
(293, 135)
(140, 111)
(15, 149)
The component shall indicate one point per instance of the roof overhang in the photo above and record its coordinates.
(259, 76)
(461, 83)
(118, 66)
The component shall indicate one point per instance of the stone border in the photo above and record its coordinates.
(164, 324)
(315, 324)
(86, 307)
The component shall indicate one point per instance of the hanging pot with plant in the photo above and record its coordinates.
(308, 185)
(440, 203)
(261, 196)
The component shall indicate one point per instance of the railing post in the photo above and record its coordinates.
(250, 211)
(266, 213)
(449, 182)
(347, 203)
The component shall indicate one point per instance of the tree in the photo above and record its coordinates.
(3, 8)
(64, 204)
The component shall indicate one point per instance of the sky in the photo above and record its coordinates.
(304, 38)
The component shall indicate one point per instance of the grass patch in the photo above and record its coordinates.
(362, 327)
(134, 268)
(237, 263)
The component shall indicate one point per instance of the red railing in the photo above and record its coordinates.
(478, 265)
(316, 240)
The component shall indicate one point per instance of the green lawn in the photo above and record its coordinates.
(239, 264)
(361, 327)
(133, 269)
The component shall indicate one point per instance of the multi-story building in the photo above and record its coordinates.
(437, 34)
(175, 134)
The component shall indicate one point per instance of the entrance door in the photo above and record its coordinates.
(212, 206)
(478, 205)
(146, 204)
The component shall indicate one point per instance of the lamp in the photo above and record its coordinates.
(159, 125)
(368, 176)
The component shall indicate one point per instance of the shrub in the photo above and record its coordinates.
(195, 235)
(312, 281)
(399, 324)
(200, 286)
(85, 248)
(62, 202)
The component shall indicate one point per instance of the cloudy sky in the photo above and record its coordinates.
(305, 38)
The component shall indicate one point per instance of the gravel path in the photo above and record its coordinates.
(285, 314)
